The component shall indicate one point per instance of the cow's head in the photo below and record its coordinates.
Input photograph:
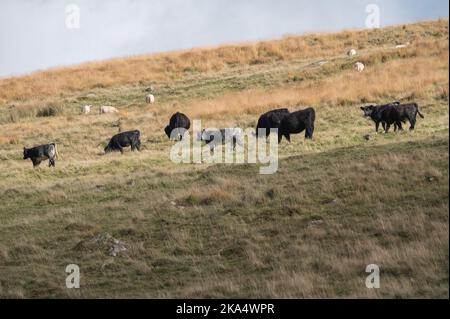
(25, 153)
(108, 149)
(368, 110)
(168, 130)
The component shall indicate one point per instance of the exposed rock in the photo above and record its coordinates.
(315, 223)
(102, 241)
(116, 247)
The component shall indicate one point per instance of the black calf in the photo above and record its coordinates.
(120, 141)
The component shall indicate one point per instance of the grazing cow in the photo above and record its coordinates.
(150, 99)
(108, 109)
(297, 122)
(359, 66)
(271, 120)
(409, 112)
(179, 124)
(223, 136)
(120, 141)
(86, 109)
(384, 114)
(378, 107)
(351, 53)
(41, 153)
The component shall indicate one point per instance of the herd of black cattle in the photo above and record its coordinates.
(285, 122)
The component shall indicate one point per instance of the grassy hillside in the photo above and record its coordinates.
(337, 203)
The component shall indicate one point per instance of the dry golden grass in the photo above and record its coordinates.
(409, 79)
(171, 66)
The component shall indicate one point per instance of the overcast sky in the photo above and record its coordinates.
(38, 34)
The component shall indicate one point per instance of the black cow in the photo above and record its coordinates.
(271, 120)
(297, 122)
(120, 141)
(376, 108)
(384, 114)
(409, 112)
(41, 153)
(179, 124)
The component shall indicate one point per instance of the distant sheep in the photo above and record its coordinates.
(150, 99)
(108, 109)
(359, 66)
(351, 53)
(401, 46)
(86, 109)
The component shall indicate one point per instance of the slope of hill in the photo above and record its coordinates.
(337, 203)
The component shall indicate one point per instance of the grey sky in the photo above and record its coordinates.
(34, 36)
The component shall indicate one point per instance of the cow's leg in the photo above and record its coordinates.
(413, 124)
(383, 124)
(377, 126)
(118, 147)
(135, 146)
(288, 137)
(388, 126)
(36, 162)
(309, 133)
(280, 137)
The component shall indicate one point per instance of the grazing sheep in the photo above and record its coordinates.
(108, 109)
(150, 99)
(401, 46)
(359, 66)
(351, 53)
(86, 109)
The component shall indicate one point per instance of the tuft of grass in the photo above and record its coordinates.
(50, 110)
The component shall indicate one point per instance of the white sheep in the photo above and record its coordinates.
(351, 53)
(86, 109)
(108, 109)
(359, 66)
(150, 99)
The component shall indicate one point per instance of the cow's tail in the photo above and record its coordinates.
(56, 150)
(418, 112)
